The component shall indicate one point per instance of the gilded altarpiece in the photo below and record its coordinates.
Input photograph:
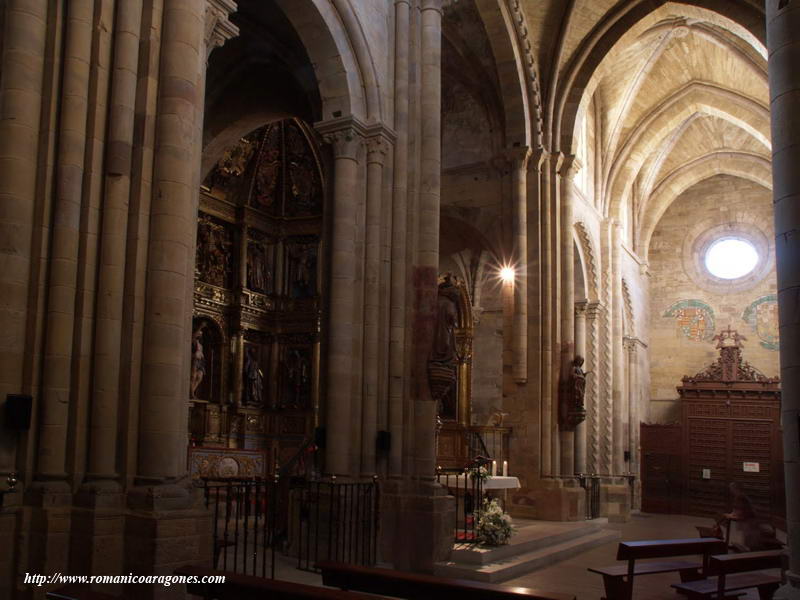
(257, 300)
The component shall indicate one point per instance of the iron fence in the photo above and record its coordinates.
(245, 529)
(310, 520)
(466, 485)
(335, 521)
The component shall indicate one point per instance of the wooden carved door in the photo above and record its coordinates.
(662, 481)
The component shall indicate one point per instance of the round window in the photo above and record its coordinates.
(731, 258)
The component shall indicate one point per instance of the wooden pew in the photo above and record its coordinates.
(76, 591)
(737, 572)
(248, 587)
(618, 579)
(418, 586)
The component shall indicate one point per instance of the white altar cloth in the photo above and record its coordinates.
(496, 482)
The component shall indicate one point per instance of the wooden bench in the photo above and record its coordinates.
(76, 591)
(419, 586)
(732, 573)
(618, 579)
(248, 587)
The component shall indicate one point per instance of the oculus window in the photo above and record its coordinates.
(731, 258)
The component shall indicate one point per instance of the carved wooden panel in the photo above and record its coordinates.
(662, 478)
(259, 277)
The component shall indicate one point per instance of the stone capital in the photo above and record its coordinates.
(581, 309)
(568, 165)
(594, 309)
(378, 141)
(218, 27)
(518, 156)
(540, 159)
(344, 134)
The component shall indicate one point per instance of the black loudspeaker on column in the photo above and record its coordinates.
(383, 442)
(18, 412)
(319, 437)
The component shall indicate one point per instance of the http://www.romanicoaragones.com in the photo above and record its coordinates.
(165, 580)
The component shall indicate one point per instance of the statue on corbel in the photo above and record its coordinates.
(573, 408)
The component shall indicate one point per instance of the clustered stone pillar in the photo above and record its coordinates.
(580, 350)
(346, 137)
(783, 44)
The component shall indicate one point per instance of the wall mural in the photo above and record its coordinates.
(762, 316)
(257, 304)
(694, 319)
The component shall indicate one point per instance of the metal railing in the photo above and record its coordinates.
(245, 526)
(466, 485)
(335, 521)
(591, 483)
(312, 520)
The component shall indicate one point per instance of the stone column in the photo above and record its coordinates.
(519, 200)
(618, 354)
(20, 105)
(426, 270)
(549, 434)
(170, 264)
(377, 146)
(568, 167)
(58, 346)
(111, 276)
(783, 44)
(592, 423)
(346, 136)
(397, 317)
(580, 350)
(633, 408)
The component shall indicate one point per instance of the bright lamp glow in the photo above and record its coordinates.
(507, 274)
(731, 258)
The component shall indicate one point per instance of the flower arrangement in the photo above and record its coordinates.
(479, 474)
(494, 526)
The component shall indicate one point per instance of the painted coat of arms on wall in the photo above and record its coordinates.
(694, 319)
(762, 316)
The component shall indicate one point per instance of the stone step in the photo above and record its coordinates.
(519, 564)
(527, 538)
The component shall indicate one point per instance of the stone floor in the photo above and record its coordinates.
(570, 576)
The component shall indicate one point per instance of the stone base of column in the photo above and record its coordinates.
(554, 500)
(48, 540)
(11, 524)
(167, 526)
(615, 502)
(417, 525)
(98, 532)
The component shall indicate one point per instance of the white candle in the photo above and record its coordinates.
(494, 468)
(505, 468)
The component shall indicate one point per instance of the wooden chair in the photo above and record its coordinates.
(618, 579)
(417, 586)
(733, 573)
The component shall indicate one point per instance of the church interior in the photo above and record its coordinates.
(368, 281)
